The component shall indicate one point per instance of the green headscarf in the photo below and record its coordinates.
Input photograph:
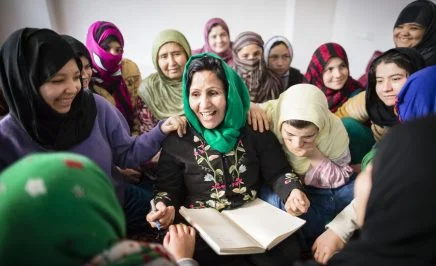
(56, 209)
(222, 138)
(161, 95)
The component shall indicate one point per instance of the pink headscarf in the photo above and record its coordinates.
(227, 54)
(107, 67)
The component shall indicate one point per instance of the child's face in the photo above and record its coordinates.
(299, 141)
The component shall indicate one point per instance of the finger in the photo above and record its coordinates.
(265, 121)
(249, 117)
(166, 240)
(254, 122)
(192, 231)
(324, 258)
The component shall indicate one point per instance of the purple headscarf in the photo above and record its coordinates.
(227, 54)
(107, 67)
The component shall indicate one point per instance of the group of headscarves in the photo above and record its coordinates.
(29, 58)
(262, 83)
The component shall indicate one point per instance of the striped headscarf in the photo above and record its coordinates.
(315, 71)
(261, 82)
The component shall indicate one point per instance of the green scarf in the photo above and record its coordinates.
(222, 138)
(56, 209)
(161, 95)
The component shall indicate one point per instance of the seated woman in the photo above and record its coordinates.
(316, 144)
(262, 83)
(49, 111)
(105, 43)
(160, 93)
(217, 40)
(221, 163)
(329, 71)
(416, 28)
(389, 236)
(61, 209)
(278, 56)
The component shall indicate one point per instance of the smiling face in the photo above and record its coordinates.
(335, 74)
(86, 72)
(250, 52)
(390, 78)
(60, 91)
(299, 141)
(207, 98)
(279, 59)
(171, 59)
(219, 40)
(408, 35)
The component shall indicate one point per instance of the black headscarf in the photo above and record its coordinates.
(79, 48)
(378, 112)
(422, 12)
(399, 227)
(28, 59)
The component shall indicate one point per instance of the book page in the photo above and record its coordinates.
(219, 232)
(267, 224)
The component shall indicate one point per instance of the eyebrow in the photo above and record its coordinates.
(290, 134)
(390, 76)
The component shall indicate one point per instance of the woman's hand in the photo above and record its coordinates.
(174, 123)
(164, 214)
(180, 241)
(257, 118)
(297, 203)
(326, 245)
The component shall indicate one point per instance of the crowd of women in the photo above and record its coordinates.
(86, 144)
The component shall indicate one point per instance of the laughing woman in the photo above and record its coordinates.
(193, 171)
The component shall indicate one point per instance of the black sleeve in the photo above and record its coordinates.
(169, 186)
(274, 166)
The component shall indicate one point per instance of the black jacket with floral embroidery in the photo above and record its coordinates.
(192, 174)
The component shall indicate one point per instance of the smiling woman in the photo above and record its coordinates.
(416, 27)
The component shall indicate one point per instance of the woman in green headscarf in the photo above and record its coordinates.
(160, 94)
(61, 209)
(220, 163)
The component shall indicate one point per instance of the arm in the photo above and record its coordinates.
(354, 107)
(345, 223)
(326, 172)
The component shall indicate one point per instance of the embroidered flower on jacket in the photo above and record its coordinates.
(35, 187)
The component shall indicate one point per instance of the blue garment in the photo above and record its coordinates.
(325, 204)
(417, 98)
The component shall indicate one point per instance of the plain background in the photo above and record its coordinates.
(360, 26)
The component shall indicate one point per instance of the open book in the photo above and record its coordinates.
(252, 228)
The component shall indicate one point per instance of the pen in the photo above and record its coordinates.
(153, 209)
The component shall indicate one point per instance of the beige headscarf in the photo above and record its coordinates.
(307, 102)
(161, 95)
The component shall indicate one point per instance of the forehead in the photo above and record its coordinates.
(300, 132)
(334, 62)
(217, 29)
(251, 48)
(280, 49)
(411, 24)
(206, 79)
(114, 44)
(170, 47)
(387, 69)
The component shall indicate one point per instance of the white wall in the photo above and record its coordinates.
(361, 26)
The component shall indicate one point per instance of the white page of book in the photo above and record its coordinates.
(211, 224)
(263, 221)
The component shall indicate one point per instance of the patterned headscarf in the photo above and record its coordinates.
(422, 12)
(262, 83)
(315, 70)
(227, 55)
(417, 98)
(306, 102)
(107, 67)
(57, 209)
(161, 95)
(224, 137)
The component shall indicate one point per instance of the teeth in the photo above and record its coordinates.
(206, 115)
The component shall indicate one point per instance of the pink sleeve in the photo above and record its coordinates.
(330, 173)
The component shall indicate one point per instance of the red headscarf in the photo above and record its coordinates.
(315, 71)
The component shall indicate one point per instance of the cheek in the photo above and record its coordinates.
(162, 65)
